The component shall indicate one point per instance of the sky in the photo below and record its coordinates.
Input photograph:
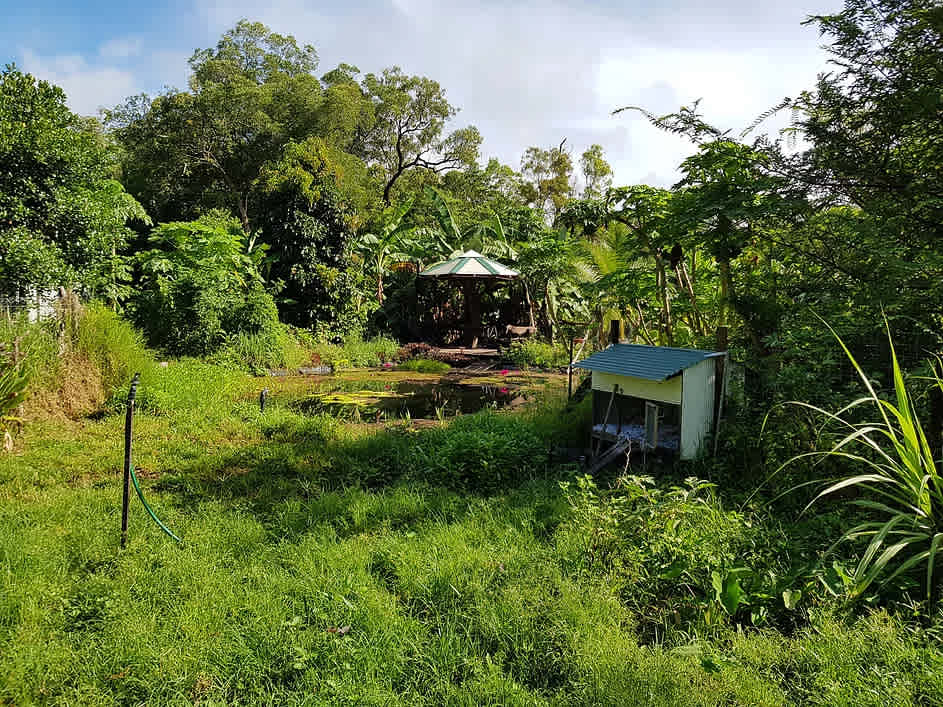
(525, 73)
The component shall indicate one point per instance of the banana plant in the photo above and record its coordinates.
(390, 242)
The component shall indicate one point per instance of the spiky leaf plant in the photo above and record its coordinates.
(901, 487)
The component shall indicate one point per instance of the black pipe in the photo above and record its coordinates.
(615, 331)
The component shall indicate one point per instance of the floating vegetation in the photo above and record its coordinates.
(435, 399)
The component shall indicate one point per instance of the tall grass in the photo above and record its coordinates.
(278, 347)
(533, 353)
(113, 345)
(356, 352)
(901, 485)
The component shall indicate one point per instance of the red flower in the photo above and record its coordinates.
(505, 372)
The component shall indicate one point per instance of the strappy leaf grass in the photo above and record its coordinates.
(902, 490)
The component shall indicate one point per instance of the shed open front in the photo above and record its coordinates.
(652, 397)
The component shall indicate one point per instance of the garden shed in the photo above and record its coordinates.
(653, 397)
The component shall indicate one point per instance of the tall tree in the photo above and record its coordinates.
(547, 178)
(410, 116)
(597, 173)
(307, 227)
(874, 120)
(189, 151)
(63, 217)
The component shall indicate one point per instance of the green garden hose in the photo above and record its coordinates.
(137, 487)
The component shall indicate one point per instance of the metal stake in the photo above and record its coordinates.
(128, 425)
(262, 398)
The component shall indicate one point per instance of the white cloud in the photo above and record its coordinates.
(120, 48)
(529, 72)
(535, 71)
(88, 88)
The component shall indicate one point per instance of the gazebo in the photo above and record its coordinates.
(469, 269)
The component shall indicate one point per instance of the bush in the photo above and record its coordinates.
(538, 354)
(199, 287)
(424, 365)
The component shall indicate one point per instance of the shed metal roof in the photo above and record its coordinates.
(654, 363)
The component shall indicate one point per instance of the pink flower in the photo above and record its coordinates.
(505, 372)
(387, 364)
(504, 390)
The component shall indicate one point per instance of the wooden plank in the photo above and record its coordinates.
(620, 447)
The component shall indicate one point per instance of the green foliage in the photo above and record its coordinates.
(424, 365)
(36, 345)
(675, 552)
(410, 113)
(112, 345)
(13, 384)
(199, 285)
(533, 353)
(62, 215)
(306, 225)
(274, 347)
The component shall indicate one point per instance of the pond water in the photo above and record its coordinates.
(379, 400)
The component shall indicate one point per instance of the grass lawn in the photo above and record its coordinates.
(326, 563)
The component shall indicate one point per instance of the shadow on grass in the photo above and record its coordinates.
(310, 472)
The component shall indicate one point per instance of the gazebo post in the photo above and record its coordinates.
(472, 312)
(469, 268)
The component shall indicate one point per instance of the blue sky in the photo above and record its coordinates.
(526, 73)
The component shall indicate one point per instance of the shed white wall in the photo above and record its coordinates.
(697, 406)
(668, 391)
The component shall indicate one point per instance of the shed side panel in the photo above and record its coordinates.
(697, 407)
(668, 391)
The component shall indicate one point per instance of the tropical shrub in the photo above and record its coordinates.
(200, 285)
(674, 553)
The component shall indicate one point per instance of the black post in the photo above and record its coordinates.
(128, 424)
(615, 331)
(262, 397)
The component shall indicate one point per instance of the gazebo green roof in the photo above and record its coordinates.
(470, 264)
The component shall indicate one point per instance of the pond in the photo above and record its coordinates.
(370, 400)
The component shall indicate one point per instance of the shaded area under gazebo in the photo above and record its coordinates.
(469, 270)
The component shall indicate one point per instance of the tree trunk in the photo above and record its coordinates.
(529, 303)
(684, 282)
(661, 279)
(244, 213)
(723, 267)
